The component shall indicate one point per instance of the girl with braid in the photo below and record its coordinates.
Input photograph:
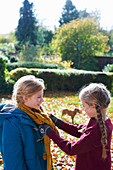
(92, 149)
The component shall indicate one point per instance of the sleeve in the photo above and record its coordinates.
(87, 142)
(74, 130)
(12, 147)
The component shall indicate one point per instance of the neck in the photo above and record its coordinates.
(94, 118)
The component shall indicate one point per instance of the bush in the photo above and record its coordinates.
(65, 80)
(2, 70)
(5, 58)
(12, 66)
(78, 41)
(13, 59)
(108, 68)
(5, 86)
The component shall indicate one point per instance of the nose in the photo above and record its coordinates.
(42, 99)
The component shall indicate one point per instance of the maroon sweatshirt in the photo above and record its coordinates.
(88, 147)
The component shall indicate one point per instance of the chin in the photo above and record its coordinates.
(37, 107)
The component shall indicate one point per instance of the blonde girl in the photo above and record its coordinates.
(23, 147)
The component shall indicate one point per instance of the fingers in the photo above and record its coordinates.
(49, 114)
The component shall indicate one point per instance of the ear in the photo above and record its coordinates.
(25, 98)
(93, 106)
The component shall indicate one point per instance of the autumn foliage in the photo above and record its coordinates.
(78, 41)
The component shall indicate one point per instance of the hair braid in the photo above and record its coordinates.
(103, 131)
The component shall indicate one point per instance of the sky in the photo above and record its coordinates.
(48, 12)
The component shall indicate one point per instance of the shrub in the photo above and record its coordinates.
(2, 70)
(65, 80)
(108, 68)
(55, 59)
(5, 58)
(28, 53)
(12, 66)
(13, 59)
(5, 86)
(78, 41)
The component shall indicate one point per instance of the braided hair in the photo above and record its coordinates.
(97, 94)
(103, 131)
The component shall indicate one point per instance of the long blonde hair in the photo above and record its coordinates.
(97, 94)
(26, 85)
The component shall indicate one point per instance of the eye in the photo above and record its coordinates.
(39, 97)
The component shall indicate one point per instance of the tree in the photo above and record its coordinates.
(69, 13)
(78, 41)
(27, 26)
(48, 36)
(111, 39)
(83, 14)
(44, 36)
(94, 14)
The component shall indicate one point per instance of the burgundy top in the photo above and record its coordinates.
(88, 147)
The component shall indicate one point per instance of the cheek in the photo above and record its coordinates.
(85, 108)
(94, 111)
(39, 100)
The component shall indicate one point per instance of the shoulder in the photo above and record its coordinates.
(12, 122)
(109, 125)
(108, 121)
(93, 128)
(1, 106)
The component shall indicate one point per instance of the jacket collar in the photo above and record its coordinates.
(18, 113)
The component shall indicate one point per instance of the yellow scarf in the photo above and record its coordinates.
(39, 118)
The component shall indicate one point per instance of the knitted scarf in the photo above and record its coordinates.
(39, 118)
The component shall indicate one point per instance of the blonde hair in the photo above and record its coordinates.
(97, 94)
(26, 85)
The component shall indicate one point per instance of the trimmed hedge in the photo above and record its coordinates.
(12, 66)
(65, 80)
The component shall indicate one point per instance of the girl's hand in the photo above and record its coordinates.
(49, 114)
(55, 120)
(45, 129)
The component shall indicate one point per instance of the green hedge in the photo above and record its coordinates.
(12, 66)
(65, 80)
(5, 86)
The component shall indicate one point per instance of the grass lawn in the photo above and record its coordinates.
(55, 102)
